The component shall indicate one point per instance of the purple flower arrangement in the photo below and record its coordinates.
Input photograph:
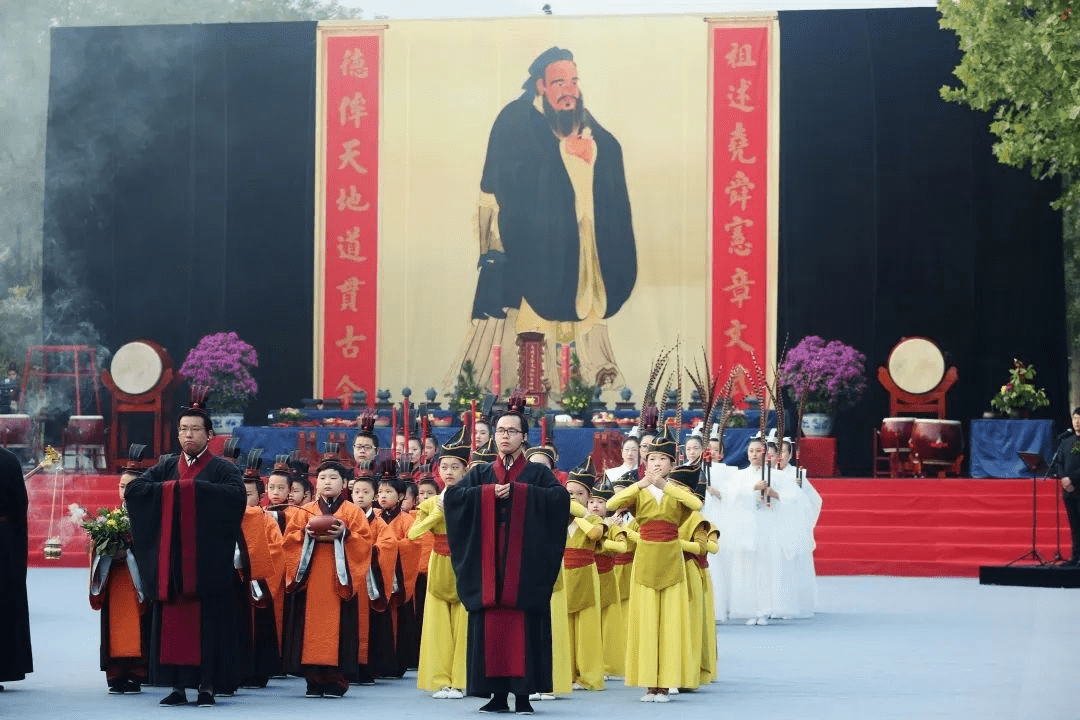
(831, 373)
(223, 362)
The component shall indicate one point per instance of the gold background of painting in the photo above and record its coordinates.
(644, 78)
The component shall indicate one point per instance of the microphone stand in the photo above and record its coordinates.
(1057, 504)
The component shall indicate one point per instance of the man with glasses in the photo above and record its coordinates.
(506, 525)
(185, 520)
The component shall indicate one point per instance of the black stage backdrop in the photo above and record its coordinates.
(180, 191)
(896, 220)
(179, 201)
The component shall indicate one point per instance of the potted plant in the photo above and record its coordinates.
(577, 396)
(830, 375)
(465, 391)
(223, 362)
(1019, 397)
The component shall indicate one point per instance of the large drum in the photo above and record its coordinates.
(916, 365)
(86, 430)
(15, 430)
(896, 434)
(937, 442)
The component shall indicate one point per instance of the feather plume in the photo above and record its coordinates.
(648, 398)
(678, 391)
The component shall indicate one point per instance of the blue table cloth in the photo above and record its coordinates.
(574, 443)
(994, 444)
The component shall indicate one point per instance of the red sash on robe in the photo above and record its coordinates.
(504, 624)
(181, 615)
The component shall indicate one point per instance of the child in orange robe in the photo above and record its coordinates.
(327, 566)
(377, 647)
(262, 575)
(115, 591)
(392, 491)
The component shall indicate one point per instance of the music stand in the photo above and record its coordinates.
(1035, 465)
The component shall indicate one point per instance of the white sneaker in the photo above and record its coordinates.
(662, 697)
(763, 621)
(752, 621)
(673, 691)
(577, 686)
(648, 697)
(547, 696)
(441, 694)
(534, 696)
(454, 694)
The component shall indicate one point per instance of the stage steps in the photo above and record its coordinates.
(928, 527)
(904, 527)
(52, 495)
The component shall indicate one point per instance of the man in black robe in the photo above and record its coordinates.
(1067, 467)
(556, 236)
(185, 520)
(16, 658)
(505, 524)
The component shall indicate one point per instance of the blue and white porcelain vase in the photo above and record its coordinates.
(225, 423)
(817, 424)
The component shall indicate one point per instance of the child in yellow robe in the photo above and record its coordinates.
(694, 541)
(442, 642)
(584, 538)
(562, 681)
(612, 622)
(659, 653)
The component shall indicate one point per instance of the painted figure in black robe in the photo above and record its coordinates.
(16, 659)
(506, 553)
(185, 514)
(537, 214)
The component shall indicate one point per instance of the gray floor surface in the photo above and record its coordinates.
(881, 647)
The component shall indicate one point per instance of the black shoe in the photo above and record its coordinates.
(496, 704)
(206, 699)
(117, 688)
(313, 692)
(522, 705)
(132, 688)
(175, 699)
(227, 692)
(334, 693)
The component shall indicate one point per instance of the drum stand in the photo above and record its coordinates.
(1036, 466)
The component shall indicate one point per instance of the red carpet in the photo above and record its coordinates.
(931, 528)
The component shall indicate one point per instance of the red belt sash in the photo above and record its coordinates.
(574, 558)
(604, 563)
(623, 558)
(442, 545)
(659, 531)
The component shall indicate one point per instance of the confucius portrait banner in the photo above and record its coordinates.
(505, 191)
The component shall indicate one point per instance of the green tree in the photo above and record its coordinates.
(1021, 64)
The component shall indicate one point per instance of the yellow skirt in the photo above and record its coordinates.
(694, 592)
(708, 638)
(659, 648)
(561, 674)
(586, 645)
(442, 645)
(613, 630)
